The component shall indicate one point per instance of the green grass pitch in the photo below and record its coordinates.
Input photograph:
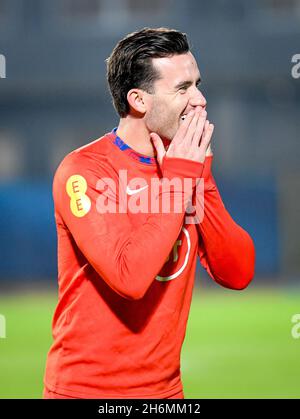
(238, 344)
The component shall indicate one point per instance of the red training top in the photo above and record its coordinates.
(126, 277)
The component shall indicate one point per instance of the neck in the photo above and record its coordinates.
(135, 134)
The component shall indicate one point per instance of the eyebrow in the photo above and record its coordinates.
(186, 84)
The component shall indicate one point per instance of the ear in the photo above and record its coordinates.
(135, 98)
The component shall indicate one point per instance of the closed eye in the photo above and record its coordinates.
(182, 87)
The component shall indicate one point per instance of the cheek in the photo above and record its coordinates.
(163, 115)
(183, 101)
(156, 113)
(153, 119)
(172, 110)
(176, 106)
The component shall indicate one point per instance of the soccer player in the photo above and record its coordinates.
(126, 264)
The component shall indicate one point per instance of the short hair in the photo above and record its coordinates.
(130, 63)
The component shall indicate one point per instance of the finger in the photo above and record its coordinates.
(205, 140)
(206, 125)
(199, 128)
(192, 127)
(209, 151)
(181, 132)
(159, 147)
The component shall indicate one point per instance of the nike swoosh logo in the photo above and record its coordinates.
(134, 191)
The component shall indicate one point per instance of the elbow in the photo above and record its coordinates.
(243, 274)
(134, 294)
(131, 284)
(242, 281)
(238, 271)
(247, 270)
(129, 293)
(129, 288)
(235, 281)
(244, 266)
(124, 284)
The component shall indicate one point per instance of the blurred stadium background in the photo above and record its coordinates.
(54, 98)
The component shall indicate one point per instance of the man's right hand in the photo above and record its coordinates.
(191, 140)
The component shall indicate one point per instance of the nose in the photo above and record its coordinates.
(197, 98)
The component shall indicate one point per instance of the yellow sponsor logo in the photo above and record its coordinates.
(76, 188)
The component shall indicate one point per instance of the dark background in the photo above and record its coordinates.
(55, 98)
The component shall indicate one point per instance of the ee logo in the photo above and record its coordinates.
(76, 188)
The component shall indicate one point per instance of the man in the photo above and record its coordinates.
(125, 276)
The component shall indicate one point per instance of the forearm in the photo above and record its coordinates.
(226, 250)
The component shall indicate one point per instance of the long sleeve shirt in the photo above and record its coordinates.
(126, 269)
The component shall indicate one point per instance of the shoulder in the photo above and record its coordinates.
(92, 155)
(90, 162)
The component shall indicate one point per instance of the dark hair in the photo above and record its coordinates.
(130, 63)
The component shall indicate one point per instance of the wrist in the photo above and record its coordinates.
(183, 168)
